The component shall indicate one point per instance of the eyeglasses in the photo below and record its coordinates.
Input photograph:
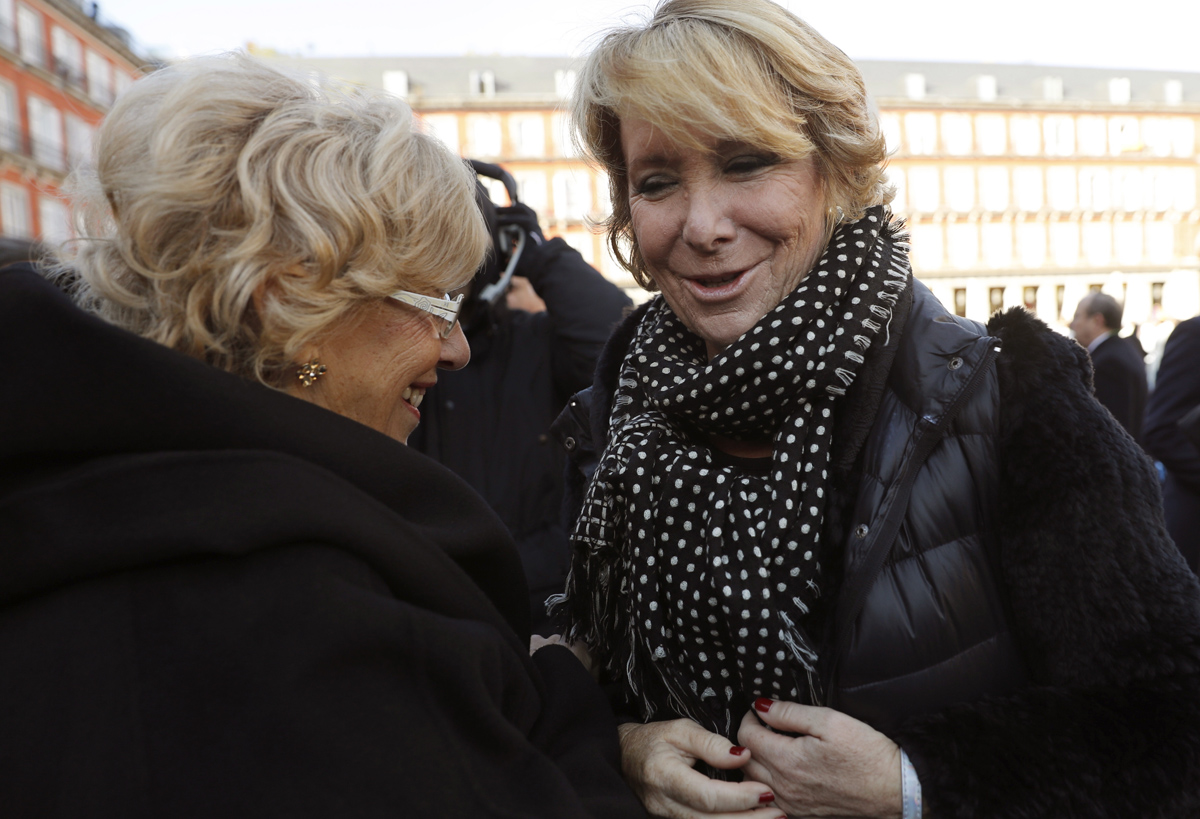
(444, 308)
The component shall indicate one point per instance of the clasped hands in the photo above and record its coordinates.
(836, 766)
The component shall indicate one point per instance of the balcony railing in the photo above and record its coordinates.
(46, 152)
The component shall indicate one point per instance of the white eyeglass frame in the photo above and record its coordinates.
(444, 308)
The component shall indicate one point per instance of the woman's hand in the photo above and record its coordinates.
(657, 760)
(838, 766)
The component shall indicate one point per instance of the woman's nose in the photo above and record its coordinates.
(456, 352)
(707, 223)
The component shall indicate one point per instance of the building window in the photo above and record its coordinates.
(572, 195)
(924, 195)
(960, 301)
(960, 187)
(963, 241)
(1029, 297)
(997, 244)
(1060, 187)
(896, 178)
(1156, 136)
(1025, 135)
(1127, 241)
(1156, 294)
(956, 134)
(1183, 137)
(481, 83)
(68, 56)
(1123, 135)
(890, 125)
(79, 140)
(1093, 136)
(55, 217)
(99, 78)
(1095, 189)
(396, 83)
(10, 122)
(8, 26)
(531, 188)
(46, 133)
(990, 130)
(985, 88)
(561, 127)
(1052, 89)
(1185, 188)
(1060, 296)
(1097, 242)
(528, 134)
(1119, 90)
(1027, 185)
(14, 211)
(121, 81)
(927, 246)
(993, 188)
(444, 127)
(483, 135)
(1031, 243)
(914, 86)
(1129, 189)
(1160, 242)
(1064, 244)
(1059, 135)
(995, 299)
(1173, 92)
(564, 83)
(30, 36)
(921, 132)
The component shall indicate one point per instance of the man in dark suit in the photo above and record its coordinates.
(1120, 373)
(1176, 393)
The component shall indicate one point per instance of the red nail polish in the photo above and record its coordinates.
(766, 797)
(763, 704)
(737, 750)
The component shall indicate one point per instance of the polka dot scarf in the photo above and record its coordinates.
(691, 580)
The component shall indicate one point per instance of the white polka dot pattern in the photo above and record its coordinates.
(692, 580)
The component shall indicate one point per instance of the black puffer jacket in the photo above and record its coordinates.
(1011, 610)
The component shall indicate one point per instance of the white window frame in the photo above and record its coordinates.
(46, 133)
(15, 216)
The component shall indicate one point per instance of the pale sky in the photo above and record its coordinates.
(1157, 34)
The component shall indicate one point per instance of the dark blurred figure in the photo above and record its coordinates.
(1120, 372)
(14, 250)
(1176, 396)
(490, 422)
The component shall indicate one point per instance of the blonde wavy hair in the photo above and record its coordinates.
(740, 70)
(236, 212)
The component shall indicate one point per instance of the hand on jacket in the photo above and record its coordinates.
(838, 766)
(657, 760)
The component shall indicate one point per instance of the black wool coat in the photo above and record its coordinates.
(1102, 611)
(218, 600)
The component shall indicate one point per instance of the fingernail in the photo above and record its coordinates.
(737, 750)
(763, 704)
(766, 797)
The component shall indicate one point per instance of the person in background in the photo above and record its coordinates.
(1119, 370)
(490, 422)
(1176, 395)
(877, 559)
(227, 587)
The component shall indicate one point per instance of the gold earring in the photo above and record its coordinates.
(310, 372)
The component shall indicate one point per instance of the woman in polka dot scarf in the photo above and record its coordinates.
(787, 536)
